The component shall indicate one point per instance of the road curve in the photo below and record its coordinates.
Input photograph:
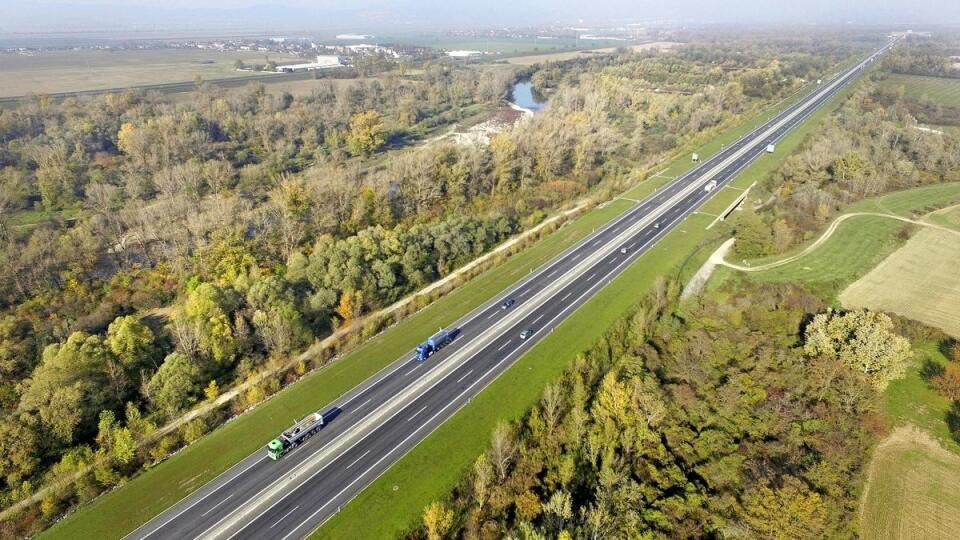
(383, 418)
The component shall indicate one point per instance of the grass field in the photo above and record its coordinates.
(912, 401)
(912, 203)
(920, 281)
(529, 60)
(947, 217)
(860, 243)
(940, 90)
(448, 451)
(68, 71)
(914, 475)
(912, 491)
(857, 245)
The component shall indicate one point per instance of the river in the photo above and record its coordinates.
(525, 96)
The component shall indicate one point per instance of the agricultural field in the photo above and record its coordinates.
(69, 71)
(499, 45)
(947, 217)
(861, 242)
(919, 281)
(856, 246)
(941, 90)
(912, 203)
(529, 60)
(912, 491)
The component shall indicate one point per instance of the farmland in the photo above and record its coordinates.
(941, 90)
(528, 60)
(919, 281)
(67, 71)
(913, 490)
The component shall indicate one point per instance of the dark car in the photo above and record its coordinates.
(526, 333)
(507, 303)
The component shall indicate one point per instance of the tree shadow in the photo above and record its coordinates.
(953, 420)
(946, 346)
(930, 369)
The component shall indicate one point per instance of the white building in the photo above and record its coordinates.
(464, 54)
(324, 61)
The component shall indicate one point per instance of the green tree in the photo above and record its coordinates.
(174, 385)
(132, 341)
(367, 133)
(70, 386)
(754, 237)
(208, 310)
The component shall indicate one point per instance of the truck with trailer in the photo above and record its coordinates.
(434, 344)
(302, 430)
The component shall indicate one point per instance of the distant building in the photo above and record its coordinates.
(324, 61)
(464, 54)
(360, 37)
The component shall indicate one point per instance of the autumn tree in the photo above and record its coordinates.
(790, 512)
(367, 133)
(437, 519)
(862, 340)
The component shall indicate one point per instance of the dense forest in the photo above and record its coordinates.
(157, 251)
(748, 413)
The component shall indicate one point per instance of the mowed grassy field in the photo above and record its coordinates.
(860, 243)
(69, 71)
(921, 281)
(912, 491)
(941, 90)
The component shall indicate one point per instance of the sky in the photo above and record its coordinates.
(380, 15)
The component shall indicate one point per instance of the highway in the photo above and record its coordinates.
(383, 418)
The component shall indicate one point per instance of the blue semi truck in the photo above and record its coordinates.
(434, 344)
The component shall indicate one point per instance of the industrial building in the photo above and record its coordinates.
(324, 61)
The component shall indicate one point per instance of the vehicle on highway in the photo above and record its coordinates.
(526, 333)
(656, 225)
(434, 344)
(711, 185)
(300, 432)
(507, 303)
(623, 250)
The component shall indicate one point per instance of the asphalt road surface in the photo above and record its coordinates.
(392, 411)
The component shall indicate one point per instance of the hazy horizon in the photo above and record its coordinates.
(23, 16)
